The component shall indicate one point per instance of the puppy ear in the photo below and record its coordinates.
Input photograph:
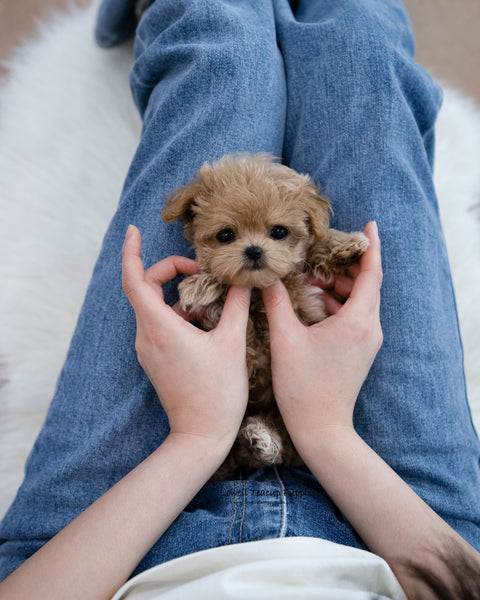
(318, 210)
(179, 203)
(301, 188)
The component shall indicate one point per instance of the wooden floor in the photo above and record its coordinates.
(447, 32)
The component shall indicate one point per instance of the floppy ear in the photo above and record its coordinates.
(318, 210)
(306, 193)
(183, 201)
(179, 203)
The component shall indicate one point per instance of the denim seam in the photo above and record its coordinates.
(283, 518)
(243, 511)
(234, 512)
(140, 82)
(139, 39)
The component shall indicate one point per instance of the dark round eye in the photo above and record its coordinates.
(278, 232)
(225, 235)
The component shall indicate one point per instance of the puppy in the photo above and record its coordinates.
(253, 221)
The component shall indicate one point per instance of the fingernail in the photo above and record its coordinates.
(130, 229)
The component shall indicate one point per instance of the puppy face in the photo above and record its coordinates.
(251, 242)
(251, 220)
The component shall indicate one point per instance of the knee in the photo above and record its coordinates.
(369, 39)
(381, 25)
(205, 41)
(359, 26)
(379, 39)
(366, 50)
(242, 26)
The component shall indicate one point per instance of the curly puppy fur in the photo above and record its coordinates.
(253, 221)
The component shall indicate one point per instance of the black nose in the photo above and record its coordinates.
(253, 252)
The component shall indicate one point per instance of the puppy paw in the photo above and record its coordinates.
(265, 444)
(349, 247)
(198, 291)
(336, 253)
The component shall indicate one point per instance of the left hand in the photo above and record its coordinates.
(200, 377)
(318, 371)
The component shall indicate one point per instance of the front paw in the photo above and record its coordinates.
(264, 443)
(352, 248)
(346, 248)
(198, 291)
(338, 252)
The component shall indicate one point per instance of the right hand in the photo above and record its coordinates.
(201, 377)
(318, 371)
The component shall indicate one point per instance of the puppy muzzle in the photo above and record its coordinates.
(255, 257)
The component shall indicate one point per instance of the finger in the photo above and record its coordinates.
(168, 268)
(191, 317)
(324, 285)
(332, 305)
(235, 311)
(365, 294)
(343, 286)
(133, 274)
(354, 270)
(278, 307)
(339, 283)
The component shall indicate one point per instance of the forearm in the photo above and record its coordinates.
(388, 515)
(94, 555)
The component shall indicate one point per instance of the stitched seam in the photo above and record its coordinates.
(283, 518)
(142, 43)
(243, 511)
(138, 81)
(234, 512)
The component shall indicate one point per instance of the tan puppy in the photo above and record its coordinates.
(253, 221)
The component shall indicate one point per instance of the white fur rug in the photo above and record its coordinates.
(68, 130)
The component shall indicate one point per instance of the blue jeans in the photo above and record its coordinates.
(331, 87)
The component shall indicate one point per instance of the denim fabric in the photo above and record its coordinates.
(116, 22)
(330, 86)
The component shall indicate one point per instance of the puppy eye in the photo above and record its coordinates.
(225, 235)
(278, 232)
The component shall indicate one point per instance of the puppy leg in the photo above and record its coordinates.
(263, 443)
(336, 253)
(306, 299)
(198, 291)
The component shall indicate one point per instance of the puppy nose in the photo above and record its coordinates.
(253, 252)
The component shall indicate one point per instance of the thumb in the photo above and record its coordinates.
(235, 311)
(279, 309)
(133, 275)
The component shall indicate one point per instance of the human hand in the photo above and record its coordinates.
(318, 371)
(200, 377)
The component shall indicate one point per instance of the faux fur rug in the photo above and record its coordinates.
(68, 131)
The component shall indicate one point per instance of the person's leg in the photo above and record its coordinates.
(360, 121)
(209, 80)
(116, 22)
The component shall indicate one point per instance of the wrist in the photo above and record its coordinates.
(317, 443)
(210, 451)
